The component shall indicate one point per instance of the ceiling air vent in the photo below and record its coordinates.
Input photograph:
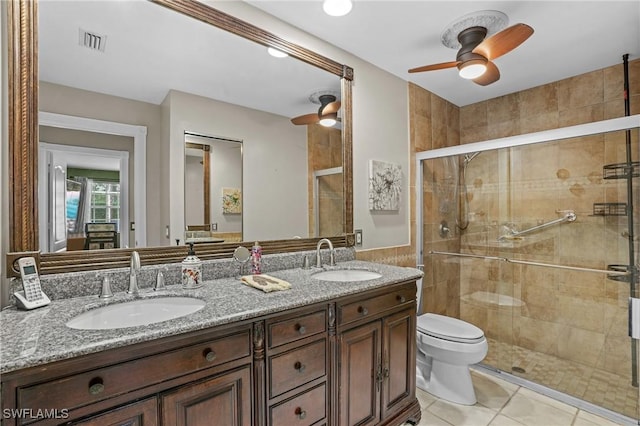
(92, 40)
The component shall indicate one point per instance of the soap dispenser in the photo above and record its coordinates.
(256, 259)
(191, 270)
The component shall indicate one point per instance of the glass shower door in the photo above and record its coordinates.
(532, 244)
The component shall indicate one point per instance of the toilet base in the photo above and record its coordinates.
(449, 382)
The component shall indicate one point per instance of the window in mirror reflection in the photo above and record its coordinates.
(81, 186)
(213, 189)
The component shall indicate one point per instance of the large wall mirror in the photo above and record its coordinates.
(214, 111)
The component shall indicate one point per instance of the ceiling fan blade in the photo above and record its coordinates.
(504, 41)
(331, 108)
(491, 75)
(305, 119)
(434, 67)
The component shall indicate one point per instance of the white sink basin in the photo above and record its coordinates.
(135, 313)
(345, 275)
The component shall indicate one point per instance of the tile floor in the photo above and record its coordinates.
(594, 385)
(501, 403)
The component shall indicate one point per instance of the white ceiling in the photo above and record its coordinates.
(570, 38)
(151, 50)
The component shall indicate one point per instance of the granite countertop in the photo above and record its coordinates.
(30, 338)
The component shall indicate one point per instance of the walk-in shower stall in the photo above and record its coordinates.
(534, 239)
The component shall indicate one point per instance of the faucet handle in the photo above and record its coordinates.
(305, 262)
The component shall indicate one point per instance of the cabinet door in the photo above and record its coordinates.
(359, 370)
(398, 361)
(141, 413)
(223, 400)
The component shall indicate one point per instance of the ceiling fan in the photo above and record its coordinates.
(474, 59)
(327, 114)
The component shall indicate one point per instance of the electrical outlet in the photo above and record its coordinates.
(132, 226)
(166, 231)
(358, 233)
(214, 226)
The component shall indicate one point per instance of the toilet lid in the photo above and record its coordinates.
(449, 328)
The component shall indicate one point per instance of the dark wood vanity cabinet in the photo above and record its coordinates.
(343, 362)
(377, 350)
(297, 356)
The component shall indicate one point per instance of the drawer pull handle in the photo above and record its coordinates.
(401, 298)
(362, 310)
(301, 413)
(209, 355)
(96, 386)
(299, 366)
(301, 329)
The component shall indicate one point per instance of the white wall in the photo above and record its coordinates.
(274, 177)
(380, 125)
(193, 189)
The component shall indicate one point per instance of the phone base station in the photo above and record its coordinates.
(23, 303)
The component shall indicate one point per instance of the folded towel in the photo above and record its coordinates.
(265, 282)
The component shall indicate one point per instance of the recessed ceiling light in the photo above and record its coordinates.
(276, 53)
(337, 7)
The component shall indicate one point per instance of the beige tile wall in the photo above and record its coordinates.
(324, 147)
(574, 315)
(570, 314)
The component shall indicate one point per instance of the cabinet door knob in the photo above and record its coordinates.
(209, 355)
(301, 413)
(96, 386)
(363, 310)
(401, 298)
(299, 366)
(301, 329)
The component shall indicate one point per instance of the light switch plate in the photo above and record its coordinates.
(358, 233)
(214, 226)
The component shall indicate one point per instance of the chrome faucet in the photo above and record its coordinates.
(134, 268)
(332, 257)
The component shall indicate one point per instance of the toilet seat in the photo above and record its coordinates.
(447, 328)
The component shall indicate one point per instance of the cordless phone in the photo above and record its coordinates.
(31, 296)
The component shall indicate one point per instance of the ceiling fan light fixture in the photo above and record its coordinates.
(276, 53)
(329, 120)
(472, 68)
(337, 7)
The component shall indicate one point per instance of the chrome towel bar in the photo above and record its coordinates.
(527, 262)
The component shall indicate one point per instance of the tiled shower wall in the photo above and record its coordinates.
(573, 315)
(324, 146)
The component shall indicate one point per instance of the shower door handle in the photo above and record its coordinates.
(634, 318)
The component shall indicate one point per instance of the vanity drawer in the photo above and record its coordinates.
(86, 388)
(287, 331)
(305, 409)
(375, 305)
(297, 367)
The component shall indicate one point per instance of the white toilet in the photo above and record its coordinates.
(446, 348)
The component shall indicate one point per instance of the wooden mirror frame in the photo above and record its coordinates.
(22, 17)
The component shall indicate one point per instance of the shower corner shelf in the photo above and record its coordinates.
(621, 170)
(609, 209)
(620, 278)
